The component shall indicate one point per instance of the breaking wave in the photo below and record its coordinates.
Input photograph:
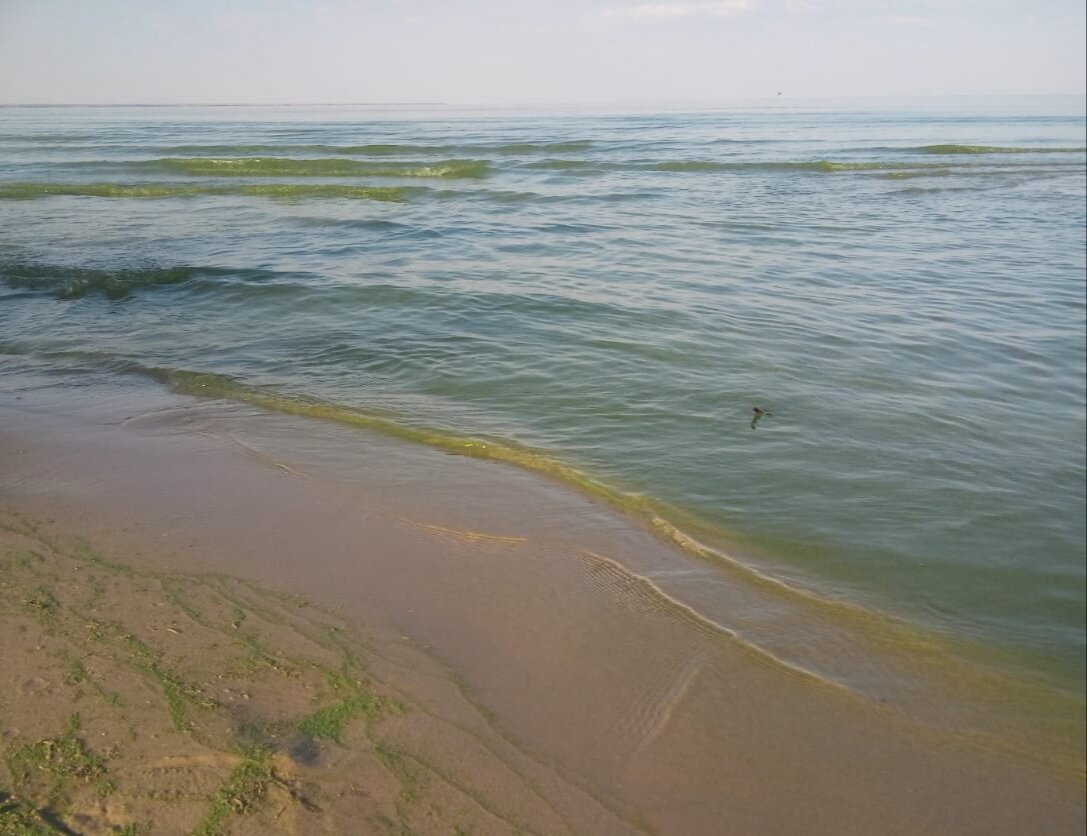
(76, 282)
(27, 191)
(284, 167)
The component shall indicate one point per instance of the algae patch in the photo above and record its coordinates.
(139, 702)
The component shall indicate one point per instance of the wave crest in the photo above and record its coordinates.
(29, 191)
(328, 167)
(951, 148)
(77, 282)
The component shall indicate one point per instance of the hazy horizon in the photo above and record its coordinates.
(1075, 99)
(487, 53)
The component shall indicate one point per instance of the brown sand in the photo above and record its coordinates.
(515, 678)
(165, 703)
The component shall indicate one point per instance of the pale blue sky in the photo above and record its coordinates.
(533, 52)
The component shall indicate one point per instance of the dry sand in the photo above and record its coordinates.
(203, 634)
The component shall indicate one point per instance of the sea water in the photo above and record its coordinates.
(607, 296)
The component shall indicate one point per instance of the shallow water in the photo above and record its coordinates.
(607, 297)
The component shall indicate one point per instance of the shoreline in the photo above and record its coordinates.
(943, 680)
(665, 725)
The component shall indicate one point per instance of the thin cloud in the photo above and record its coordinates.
(654, 12)
(909, 21)
(906, 12)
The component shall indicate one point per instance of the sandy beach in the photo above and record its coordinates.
(221, 620)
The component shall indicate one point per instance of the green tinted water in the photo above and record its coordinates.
(606, 298)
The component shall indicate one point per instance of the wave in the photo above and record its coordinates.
(815, 166)
(914, 173)
(400, 149)
(287, 191)
(542, 147)
(570, 165)
(65, 282)
(988, 172)
(891, 170)
(373, 149)
(948, 149)
(236, 149)
(378, 149)
(372, 224)
(49, 138)
(709, 166)
(76, 282)
(284, 167)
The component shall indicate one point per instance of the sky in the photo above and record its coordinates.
(533, 51)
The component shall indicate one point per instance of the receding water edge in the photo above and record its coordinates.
(1017, 713)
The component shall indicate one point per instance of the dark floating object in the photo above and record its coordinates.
(760, 413)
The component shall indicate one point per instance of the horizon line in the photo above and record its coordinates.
(552, 103)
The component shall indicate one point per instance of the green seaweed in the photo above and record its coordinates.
(241, 793)
(74, 672)
(17, 818)
(178, 693)
(245, 789)
(356, 700)
(54, 778)
(42, 603)
(59, 760)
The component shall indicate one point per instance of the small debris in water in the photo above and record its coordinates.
(760, 413)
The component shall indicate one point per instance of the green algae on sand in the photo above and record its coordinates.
(141, 702)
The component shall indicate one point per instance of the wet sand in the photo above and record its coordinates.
(538, 686)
